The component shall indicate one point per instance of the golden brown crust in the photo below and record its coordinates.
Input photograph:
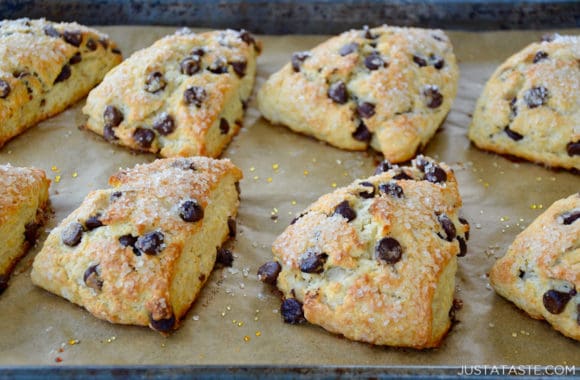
(45, 67)
(540, 272)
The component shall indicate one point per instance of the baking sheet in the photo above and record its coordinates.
(236, 320)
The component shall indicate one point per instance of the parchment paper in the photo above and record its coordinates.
(236, 318)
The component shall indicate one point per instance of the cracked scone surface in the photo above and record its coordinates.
(540, 272)
(45, 67)
(375, 261)
(530, 107)
(23, 209)
(139, 252)
(386, 87)
(183, 96)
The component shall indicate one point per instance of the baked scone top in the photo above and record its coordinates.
(16, 184)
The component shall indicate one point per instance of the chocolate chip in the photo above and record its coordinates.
(419, 61)
(64, 74)
(240, 68)
(162, 325)
(194, 95)
(536, 96)
(348, 49)
(569, 217)
(462, 246)
(155, 82)
(388, 250)
(384, 166)
(362, 133)
(365, 110)
(448, 227)
(143, 137)
(247, 37)
(268, 273)
(75, 58)
(224, 257)
(93, 221)
(521, 274)
(402, 175)
(573, 148)
(555, 301)
(116, 51)
(127, 240)
(539, 56)
(104, 43)
(374, 61)
(224, 126)
(219, 66)
(369, 192)
(3, 283)
(183, 164)
(91, 44)
(436, 61)
(298, 58)
(292, 312)
(343, 209)
(190, 65)
(74, 37)
(513, 134)
(232, 227)
(112, 116)
(513, 108)
(312, 261)
(115, 195)
(465, 223)
(433, 97)
(50, 31)
(164, 124)
(151, 243)
(109, 133)
(92, 278)
(368, 34)
(72, 234)
(190, 211)
(4, 89)
(435, 174)
(392, 188)
(337, 92)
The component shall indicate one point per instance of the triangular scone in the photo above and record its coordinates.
(375, 261)
(139, 253)
(530, 107)
(23, 209)
(184, 95)
(540, 272)
(388, 87)
(45, 67)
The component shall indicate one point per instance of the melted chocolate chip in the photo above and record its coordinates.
(402, 175)
(465, 223)
(555, 301)
(240, 68)
(93, 221)
(109, 133)
(362, 133)
(143, 137)
(292, 312)
(232, 227)
(448, 227)
(268, 273)
(433, 98)
(64, 74)
(312, 262)
(569, 217)
(128, 241)
(116, 51)
(435, 174)
(512, 134)
(462, 246)
(112, 116)
(368, 192)
(536, 96)
(540, 55)
(164, 124)
(162, 325)
(348, 49)
(374, 61)
(365, 110)
(419, 61)
(91, 44)
(190, 211)
(155, 82)
(296, 218)
(224, 126)
(104, 43)
(75, 58)
(388, 250)
(298, 58)
(151, 243)
(190, 65)
(219, 66)
(224, 257)
(392, 188)
(384, 166)
(92, 278)
(573, 148)
(247, 37)
(74, 37)
(194, 95)
(337, 92)
(72, 234)
(50, 31)
(4, 89)
(343, 209)
(31, 232)
(436, 61)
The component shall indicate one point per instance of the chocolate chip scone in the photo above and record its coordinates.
(540, 272)
(388, 87)
(185, 95)
(375, 261)
(45, 67)
(23, 209)
(139, 252)
(530, 107)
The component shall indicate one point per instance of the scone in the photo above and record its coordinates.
(388, 87)
(530, 107)
(185, 95)
(139, 252)
(45, 67)
(23, 209)
(540, 272)
(375, 261)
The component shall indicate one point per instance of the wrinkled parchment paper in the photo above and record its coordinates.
(236, 318)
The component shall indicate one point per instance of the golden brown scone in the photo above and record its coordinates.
(540, 272)
(45, 67)
(388, 87)
(185, 95)
(530, 107)
(140, 252)
(375, 261)
(23, 209)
